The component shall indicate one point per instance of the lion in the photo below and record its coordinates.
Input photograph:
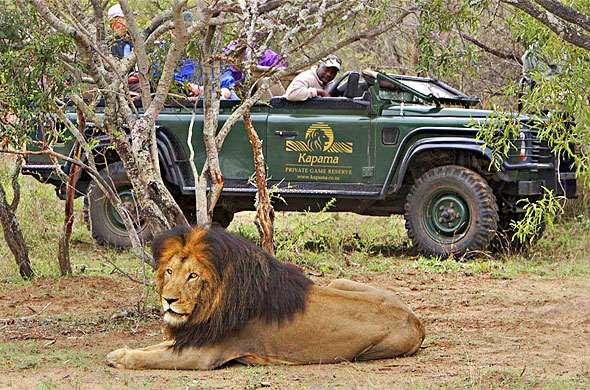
(226, 300)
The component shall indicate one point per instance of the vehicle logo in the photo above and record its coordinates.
(319, 137)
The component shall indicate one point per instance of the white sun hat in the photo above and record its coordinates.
(115, 11)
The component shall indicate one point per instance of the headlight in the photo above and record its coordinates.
(522, 154)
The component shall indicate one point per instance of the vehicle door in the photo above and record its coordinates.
(319, 143)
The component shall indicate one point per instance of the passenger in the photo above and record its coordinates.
(267, 61)
(188, 73)
(120, 43)
(315, 81)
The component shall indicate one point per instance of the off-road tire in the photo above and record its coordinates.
(103, 221)
(451, 210)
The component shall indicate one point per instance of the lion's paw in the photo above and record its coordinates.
(117, 358)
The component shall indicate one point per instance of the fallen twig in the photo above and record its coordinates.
(25, 318)
(120, 271)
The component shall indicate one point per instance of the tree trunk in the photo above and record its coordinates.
(158, 206)
(15, 240)
(12, 232)
(265, 213)
(63, 256)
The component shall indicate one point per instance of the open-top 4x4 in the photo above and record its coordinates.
(385, 144)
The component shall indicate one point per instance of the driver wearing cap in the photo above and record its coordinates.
(315, 81)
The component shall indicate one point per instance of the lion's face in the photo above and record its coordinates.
(316, 139)
(187, 284)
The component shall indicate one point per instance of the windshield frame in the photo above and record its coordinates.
(454, 96)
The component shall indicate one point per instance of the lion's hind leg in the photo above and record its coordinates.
(403, 340)
(349, 285)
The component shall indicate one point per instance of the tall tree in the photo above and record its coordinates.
(295, 28)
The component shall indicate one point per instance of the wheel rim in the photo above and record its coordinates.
(446, 217)
(128, 200)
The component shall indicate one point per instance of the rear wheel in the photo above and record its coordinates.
(106, 225)
(451, 210)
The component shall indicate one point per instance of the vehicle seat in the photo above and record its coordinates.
(348, 86)
(352, 86)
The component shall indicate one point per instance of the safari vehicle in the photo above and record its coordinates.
(385, 144)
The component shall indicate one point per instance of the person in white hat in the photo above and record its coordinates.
(121, 45)
(315, 81)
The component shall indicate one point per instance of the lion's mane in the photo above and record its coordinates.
(254, 284)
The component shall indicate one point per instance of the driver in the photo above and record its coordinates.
(315, 81)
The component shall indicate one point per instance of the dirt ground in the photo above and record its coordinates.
(482, 332)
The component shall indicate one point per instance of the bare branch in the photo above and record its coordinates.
(239, 112)
(174, 52)
(563, 29)
(488, 49)
(143, 64)
(366, 34)
(15, 183)
(566, 12)
(106, 189)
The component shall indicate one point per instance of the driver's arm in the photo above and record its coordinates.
(299, 90)
(302, 87)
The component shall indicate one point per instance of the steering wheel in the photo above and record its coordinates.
(336, 91)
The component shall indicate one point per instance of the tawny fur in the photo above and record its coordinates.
(224, 299)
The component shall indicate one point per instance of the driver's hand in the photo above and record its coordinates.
(322, 93)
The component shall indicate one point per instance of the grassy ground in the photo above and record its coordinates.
(519, 321)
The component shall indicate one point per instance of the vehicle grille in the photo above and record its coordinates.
(537, 151)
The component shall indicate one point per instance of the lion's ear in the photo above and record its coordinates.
(173, 239)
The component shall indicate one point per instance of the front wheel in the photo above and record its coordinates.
(106, 225)
(451, 210)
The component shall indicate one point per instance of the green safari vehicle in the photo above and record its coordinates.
(384, 144)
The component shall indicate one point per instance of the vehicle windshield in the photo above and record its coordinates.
(397, 95)
(412, 89)
(427, 87)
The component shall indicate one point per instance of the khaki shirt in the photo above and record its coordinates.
(305, 86)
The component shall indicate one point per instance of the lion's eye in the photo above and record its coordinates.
(192, 275)
(169, 271)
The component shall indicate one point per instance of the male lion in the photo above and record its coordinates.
(225, 299)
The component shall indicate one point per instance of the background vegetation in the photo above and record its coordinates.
(330, 244)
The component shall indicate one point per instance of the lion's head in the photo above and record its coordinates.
(184, 276)
(212, 282)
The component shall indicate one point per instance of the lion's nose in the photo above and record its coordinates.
(170, 301)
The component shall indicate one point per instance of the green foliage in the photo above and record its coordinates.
(31, 73)
(559, 103)
(441, 51)
(537, 214)
(498, 133)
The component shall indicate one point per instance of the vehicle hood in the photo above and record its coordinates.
(461, 114)
(420, 110)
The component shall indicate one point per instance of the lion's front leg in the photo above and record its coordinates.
(163, 356)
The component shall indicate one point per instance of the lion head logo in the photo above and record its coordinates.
(319, 136)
